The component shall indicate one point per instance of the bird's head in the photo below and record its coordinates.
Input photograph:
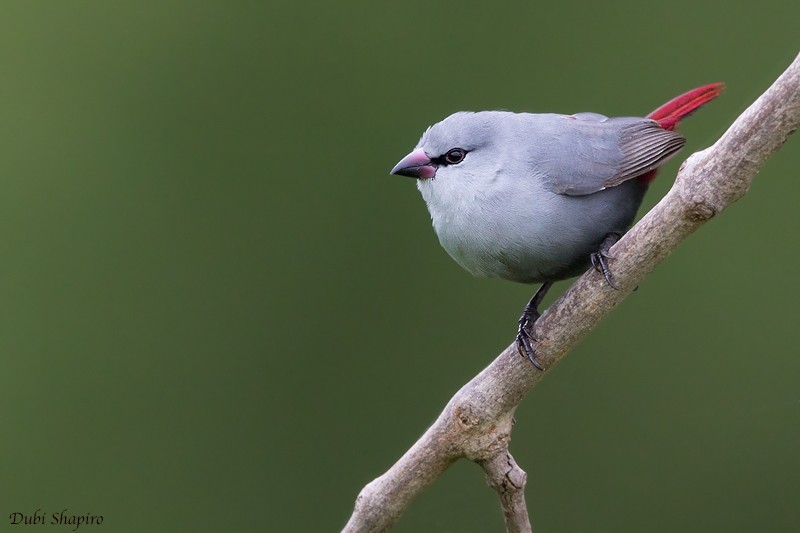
(462, 148)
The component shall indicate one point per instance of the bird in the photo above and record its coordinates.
(541, 197)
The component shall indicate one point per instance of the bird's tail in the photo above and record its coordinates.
(670, 114)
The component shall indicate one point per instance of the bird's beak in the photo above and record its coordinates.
(415, 165)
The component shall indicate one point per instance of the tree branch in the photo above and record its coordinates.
(476, 423)
(505, 476)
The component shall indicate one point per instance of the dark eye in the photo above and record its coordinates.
(455, 156)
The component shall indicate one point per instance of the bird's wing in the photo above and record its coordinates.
(585, 153)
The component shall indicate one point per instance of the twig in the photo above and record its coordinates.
(505, 476)
(476, 423)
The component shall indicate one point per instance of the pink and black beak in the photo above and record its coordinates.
(415, 165)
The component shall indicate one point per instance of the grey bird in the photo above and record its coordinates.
(537, 198)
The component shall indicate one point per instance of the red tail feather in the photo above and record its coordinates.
(669, 114)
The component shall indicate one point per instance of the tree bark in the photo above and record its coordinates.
(476, 423)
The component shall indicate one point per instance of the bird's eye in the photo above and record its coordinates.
(455, 156)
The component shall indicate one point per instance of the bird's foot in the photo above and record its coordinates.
(525, 337)
(600, 257)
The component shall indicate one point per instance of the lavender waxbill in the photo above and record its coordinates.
(537, 198)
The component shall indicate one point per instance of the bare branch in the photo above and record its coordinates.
(477, 421)
(505, 476)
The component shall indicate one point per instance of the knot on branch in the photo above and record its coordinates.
(700, 202)
(474, 409)
(700, 209)
(468, 416)
(476, 415)
(482, 432)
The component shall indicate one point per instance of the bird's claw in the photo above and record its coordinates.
(525, 339)
(601, 265)
(598, 258)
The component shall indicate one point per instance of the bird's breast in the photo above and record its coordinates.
(492, 234)
(527, 233)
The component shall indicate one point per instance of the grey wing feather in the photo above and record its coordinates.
(592, 152)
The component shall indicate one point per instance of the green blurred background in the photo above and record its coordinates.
(219, 312)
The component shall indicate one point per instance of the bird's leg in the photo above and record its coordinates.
(599, 257)
(529, 317)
